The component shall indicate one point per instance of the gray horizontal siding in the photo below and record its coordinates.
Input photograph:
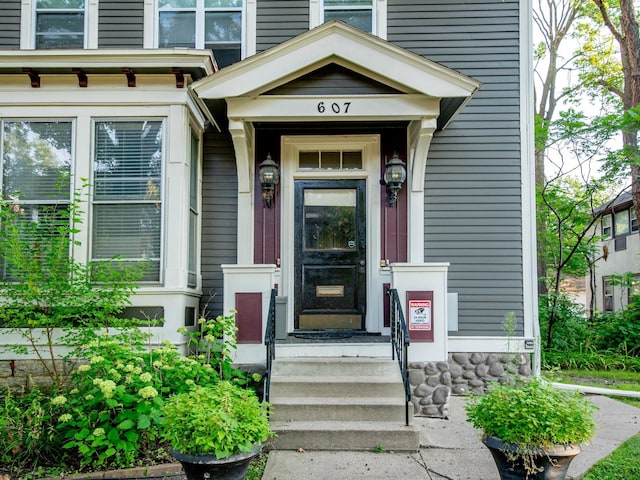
(280, 20)
(10, 24)
(219, 215)
(121, 24)
(472, 183)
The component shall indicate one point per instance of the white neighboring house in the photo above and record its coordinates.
(619, 253)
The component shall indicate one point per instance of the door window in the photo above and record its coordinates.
(330, 219)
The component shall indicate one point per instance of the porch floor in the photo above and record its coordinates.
(333, 336)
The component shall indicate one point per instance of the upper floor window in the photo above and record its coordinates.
(606, 226)
(621, 226)
(634, 220)
(211, 24)
(59, 24)
(358, 13)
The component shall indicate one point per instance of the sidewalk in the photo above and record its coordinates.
(450, 449)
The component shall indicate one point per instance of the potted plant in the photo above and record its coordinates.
(532, 429)
(215, 430)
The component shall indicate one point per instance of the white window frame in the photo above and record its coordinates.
(606, 226)
(621, 219)
(248, 37)
(378, 13)
(28, 24)
(608, 291)
(633, 221)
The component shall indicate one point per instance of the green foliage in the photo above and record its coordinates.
(27, 428)
(532, 415)
(219, 420)
(622, 464)
(214, 342)
(114, 410)
(572, 329)
(588, 358)
(620, 331)
(45, 294)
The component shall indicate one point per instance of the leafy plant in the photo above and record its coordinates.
(532, 415)
(218, 420)
(46, 296)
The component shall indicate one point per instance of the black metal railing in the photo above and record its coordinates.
(400, 344)
(270, 342)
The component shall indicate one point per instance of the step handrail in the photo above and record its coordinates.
(270, 342)
(400, 344)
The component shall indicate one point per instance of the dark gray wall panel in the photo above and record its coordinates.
(219, 215)
(121, 24)
(280, 20)
(10, 24)
(472, 184)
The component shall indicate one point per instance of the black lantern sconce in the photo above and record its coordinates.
(269, 178)
(395, 174)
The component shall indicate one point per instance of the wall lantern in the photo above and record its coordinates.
(395, 174)
(269, 178)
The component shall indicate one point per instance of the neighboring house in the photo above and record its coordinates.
(170, 108)
(618, 254)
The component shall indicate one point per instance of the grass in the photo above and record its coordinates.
(622, 464)
(256, 467)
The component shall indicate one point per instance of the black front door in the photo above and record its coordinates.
(330, 254)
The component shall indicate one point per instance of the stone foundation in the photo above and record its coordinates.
(19, 374)
(433, 382)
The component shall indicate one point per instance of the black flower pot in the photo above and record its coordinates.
(202, 467)
(550, 464)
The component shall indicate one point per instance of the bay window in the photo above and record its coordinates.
(127, 193)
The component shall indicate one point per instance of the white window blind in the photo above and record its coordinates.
(60, 23)
(127, 197)
(36, 166)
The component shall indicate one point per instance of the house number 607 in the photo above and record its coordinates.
(334, 107)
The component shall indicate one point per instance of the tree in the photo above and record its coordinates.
(620, 18)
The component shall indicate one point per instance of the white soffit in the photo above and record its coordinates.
(336, 42)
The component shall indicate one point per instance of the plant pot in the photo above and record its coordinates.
(201, 467)
(550, 464)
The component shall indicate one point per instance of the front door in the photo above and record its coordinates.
(330, 253)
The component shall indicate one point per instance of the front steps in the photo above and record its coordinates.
(339, 404)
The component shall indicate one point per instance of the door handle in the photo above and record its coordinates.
(362, 263)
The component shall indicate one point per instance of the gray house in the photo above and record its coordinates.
(356, 158)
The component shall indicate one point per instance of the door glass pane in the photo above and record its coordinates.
(351, 160)
(329, 219)
(308, 160)
(330, 160)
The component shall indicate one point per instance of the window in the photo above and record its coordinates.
(621, 226)
(606, 226)
(607, 290)
(127, 197)
(36, 165)
(212, 24)
(59, 24)
(634, 220)
(330, 160)
(193, 211)
(358, 13)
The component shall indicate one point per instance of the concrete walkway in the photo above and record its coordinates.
(450, 449)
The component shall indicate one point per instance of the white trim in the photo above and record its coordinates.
(91, 23)
(150, 24)
(370, 172)
(249, 30)
(489, 344)
(337, 42)
(360, 107)
(529, 264)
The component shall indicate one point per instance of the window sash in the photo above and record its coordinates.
(60, 24)
(127, 195)
(358, 13)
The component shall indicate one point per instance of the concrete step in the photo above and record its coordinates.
(328, 435)
(338, 409)
(328, 366)
(336, 386)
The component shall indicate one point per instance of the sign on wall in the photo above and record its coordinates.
(420, 315)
